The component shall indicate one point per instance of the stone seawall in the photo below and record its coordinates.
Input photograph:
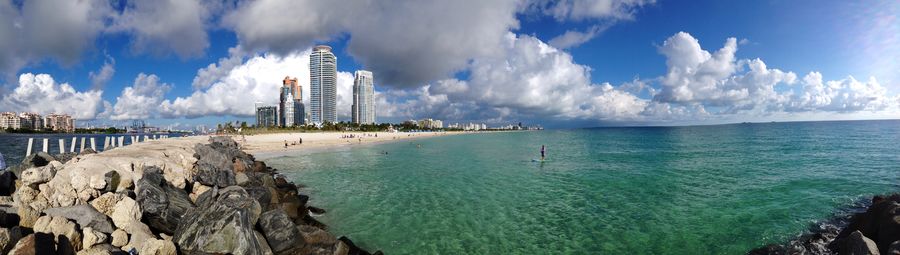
(172, 196)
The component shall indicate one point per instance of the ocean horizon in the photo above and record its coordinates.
(719, 189)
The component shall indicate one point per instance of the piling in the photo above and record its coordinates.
(62, 146)
(46, 145)
(72, 147)
(82, 144)
(30, 142)
(93, 146)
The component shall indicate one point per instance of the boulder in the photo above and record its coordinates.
(351, 247)
(315, 210)
(31, 161)
(84, 215)
(126, 213)
(65, 157)
(855, 244)
(162, 204)
(894, 249)
(100, 249)
(68, 238)
(210, 175)
(37, 243)
(27, 216)
(223, 222)
(880, 223)
(316, 236)
(8, 217)
(106, 203)
(279, 231)
(158, 247)
(140, 235)
(7, 183)
(92, 237)
(37, 175)
(198, 189)
(8, 238)
(119, 238)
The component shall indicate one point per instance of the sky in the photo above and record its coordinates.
(567, 63)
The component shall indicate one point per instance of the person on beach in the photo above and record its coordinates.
(285, 144)
(542, 152)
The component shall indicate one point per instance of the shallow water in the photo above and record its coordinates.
(673, 190)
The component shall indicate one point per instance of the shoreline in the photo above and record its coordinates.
(267, 146)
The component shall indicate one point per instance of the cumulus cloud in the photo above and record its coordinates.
(140, 100)
(102, 76)
(165, 26)
(56, 29)
(846, 95)
(256, 80)
(406, 43)
(40, 93)
(528, 79)
(213, 72)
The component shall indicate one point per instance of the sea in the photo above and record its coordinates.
(722, 189)
(13, 146)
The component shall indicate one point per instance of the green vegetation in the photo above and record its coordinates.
(110, 130)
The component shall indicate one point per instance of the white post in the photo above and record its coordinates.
(30, 142)
(82, 144)
(62, 146)
(46, 145)
(132, 139)
(72, 147)
(93, 146)
(121, 141)
(154, 137)
(106, 143)
(146, 138)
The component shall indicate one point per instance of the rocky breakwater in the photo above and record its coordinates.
(177, 196)
(874, 230)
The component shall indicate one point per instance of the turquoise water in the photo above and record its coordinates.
(673, 190)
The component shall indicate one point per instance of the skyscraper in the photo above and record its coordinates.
(266, 116)
(322, 85)
(299, 117)
(363, 109)
(287, 107)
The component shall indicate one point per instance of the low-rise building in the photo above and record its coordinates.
(59, 123)
(10, 120)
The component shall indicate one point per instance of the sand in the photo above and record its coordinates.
(271, 145)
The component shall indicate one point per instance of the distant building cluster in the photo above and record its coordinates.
(34, 121)
(468, 126)
(430, 123)
(322, 108)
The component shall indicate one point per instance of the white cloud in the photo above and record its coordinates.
(208, 75)
(577, 10)
(256, 80)
(847, 95)
(41, 94)
(141, 100)
(102, 76)
(165, 26)
(572, 38)
(57, 29)
(405, 43)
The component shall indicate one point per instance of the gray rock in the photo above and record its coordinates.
(216, 162)
(856, 244)
(37, 175)
(65, 157)
(894, 249)
(34, 160)
(85, 215)
(162, 204)
(223, 222)
(279, 230)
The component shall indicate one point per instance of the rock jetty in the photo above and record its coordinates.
(873, 230)
(159, 197)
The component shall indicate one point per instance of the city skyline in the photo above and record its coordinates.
(563, 64)
(363, 109)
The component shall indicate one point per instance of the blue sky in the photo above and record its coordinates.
(507, 66)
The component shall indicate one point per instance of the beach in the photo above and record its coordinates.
(270, 145)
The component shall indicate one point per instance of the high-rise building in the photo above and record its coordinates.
(363, 108)
(59, 122)
(297, 91)
(31, 120)
(266, 115)
(287, 107)
(10, 120)
(322, 85)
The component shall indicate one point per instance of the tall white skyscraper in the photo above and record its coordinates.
(322, 85)
(363, 110)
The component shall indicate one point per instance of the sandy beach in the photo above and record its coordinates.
(269, 145)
